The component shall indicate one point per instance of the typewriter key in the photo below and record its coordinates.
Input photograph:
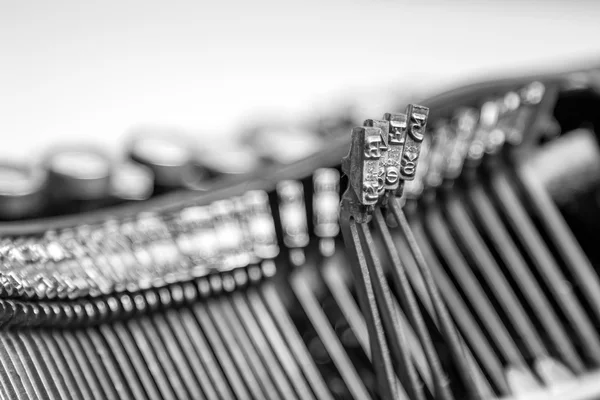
(78, 179)
(131, 181)
(22, 191)
(229, 160)
(78, 174)
(285, 146)
(168, 156)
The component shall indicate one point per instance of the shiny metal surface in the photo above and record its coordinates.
(476, 283)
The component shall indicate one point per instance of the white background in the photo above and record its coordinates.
(90, 70)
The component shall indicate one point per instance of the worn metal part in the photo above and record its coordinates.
(362, 166)
(396, 141)
(384, 328)
(150, 251)
(415, 131)
(384, 126)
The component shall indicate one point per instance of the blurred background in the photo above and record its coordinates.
(90, 71)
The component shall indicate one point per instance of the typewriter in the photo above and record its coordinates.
(440, 250)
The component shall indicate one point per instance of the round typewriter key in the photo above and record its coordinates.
(285, 146)
(79, 174)
(229, 161)
(169, 156)
(78, 179)
(22, 191)
(131, 181)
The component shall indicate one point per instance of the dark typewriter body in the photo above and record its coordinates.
(247, 291)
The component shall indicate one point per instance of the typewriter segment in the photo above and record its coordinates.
(445, 251)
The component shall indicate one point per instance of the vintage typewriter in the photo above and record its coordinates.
(459, 263)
